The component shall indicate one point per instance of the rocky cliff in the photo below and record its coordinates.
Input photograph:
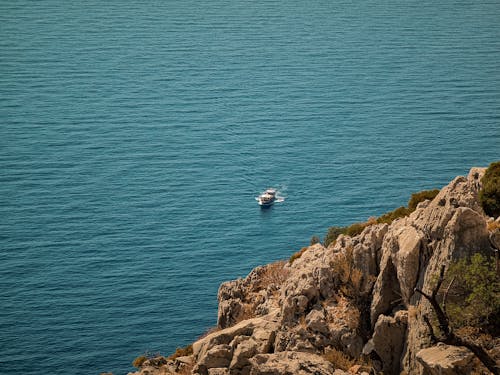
(350, 306)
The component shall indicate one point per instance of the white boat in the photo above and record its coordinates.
(267, 198)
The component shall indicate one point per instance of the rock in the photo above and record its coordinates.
(218, 371)
(217, 356)
(233, 346)
(446, 360)
(249, 297)
(388, 341)
(245, 350)
(291, 363)
(386, 291)
(315, 321)
(310, 278)
(352, 344)
(367, 252)
(406, 259)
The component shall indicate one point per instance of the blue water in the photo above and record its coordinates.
(134, 137)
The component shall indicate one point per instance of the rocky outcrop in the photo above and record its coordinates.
(388, 341)
(356, 296)
(296, 363)
(232, 347)
(447, 360)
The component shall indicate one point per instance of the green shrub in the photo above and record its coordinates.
(332, 234)
(387, 218)
(489, 196)
(421, 196)
(314, 240)
(355, 229)
(474, 299)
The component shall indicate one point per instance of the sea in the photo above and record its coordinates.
(135, 136)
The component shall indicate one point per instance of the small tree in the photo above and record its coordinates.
(474, 299)
(489, 196)
(474, 295)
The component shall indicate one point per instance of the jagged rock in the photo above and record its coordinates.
(406, 260)
(240, 297)
(446, 360)
(352, 344)
(386, 291)
(216, 356)
(311, 277)
(366, 252)
(233, 346)
(291, 363)
(454, 227)
(316, 322)
(296, 339)
(162, 366)
(388, 340)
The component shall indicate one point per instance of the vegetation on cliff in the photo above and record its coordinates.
(473, 293)
(489, 196)
(467, 311)
(357, 228)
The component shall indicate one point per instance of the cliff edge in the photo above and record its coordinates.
(351, 307)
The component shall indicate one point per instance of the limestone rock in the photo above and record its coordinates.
(290, 363)
(388, 340)
(232, 347)
(407, 260)
(162, 366)
(446, 360)
(253, 295)
(367, 252)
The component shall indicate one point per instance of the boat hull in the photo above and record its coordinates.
(266, 204)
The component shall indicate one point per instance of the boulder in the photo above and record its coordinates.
(232, 347)
(388, 341)
(446, 360)
(406, 259)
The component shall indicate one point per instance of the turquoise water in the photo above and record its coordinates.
(135, 136)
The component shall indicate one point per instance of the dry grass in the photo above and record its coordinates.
(139, 361)
(493, 225)
(339, 360)
(350, 277)
(274, 274)
(182, 352)
(302, 321)
(344, 311)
